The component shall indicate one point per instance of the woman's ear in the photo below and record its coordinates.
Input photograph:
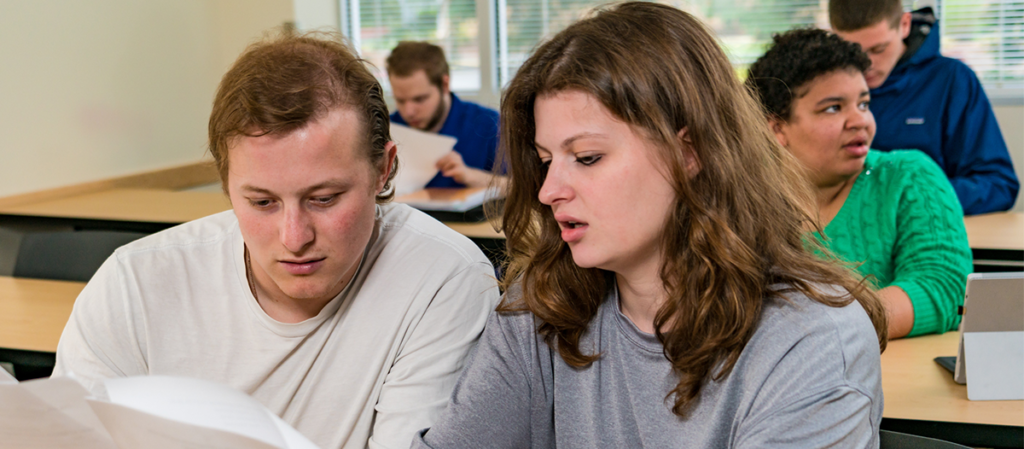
(692, 163)
(778, 127)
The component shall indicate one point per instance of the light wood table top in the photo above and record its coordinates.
(1000, 230)
(33, 312)
(482, 230)
(139, 205)
(917, 388)
(165, 206)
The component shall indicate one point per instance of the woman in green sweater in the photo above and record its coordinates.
(892, 215)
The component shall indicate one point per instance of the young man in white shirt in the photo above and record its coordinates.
(347, 316)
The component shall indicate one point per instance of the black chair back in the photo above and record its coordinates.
(67, 255)
(896, 440)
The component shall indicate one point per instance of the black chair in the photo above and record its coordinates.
(67, 255)
(896, 440)
(60, 255)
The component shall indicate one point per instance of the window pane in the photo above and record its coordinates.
(451, 24)
(986, 34)
(742, 26)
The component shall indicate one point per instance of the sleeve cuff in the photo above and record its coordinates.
(928, 318)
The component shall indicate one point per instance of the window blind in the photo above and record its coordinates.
(743, 27)
(988, 35)
(376, 26)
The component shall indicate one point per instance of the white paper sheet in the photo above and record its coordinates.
(135, 429)
(47, 414)
(995, 365)
(163, 408)
(418, 153)
(67, 395)
(445, 199)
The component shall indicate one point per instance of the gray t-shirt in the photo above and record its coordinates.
(809, 377)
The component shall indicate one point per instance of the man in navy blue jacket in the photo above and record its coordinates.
(418, 73)
(925, 101)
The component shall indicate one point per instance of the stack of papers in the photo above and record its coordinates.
(141, 412)
(445, 199)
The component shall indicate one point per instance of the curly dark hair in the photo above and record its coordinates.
(794, 59)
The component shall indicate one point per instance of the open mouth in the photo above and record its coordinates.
(572, 231)
(857, 147)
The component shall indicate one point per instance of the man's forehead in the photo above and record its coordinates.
(415, 83)
(879, 33)
(338, 129)
(329, 117)
(332, 183)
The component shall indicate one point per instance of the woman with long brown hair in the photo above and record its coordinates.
(661, 289)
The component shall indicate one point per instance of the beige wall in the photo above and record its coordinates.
(1011, 122)
(316, 14)
(104, 88)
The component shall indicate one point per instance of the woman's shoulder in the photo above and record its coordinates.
(807, 346)
(810, 361)
(901, 162)
(792, 319)
(512, 320)
(911, 178)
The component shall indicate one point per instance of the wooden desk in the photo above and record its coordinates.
(152, 210)
(164, 206)
(997, 241)
(135, 205)
(33, 312)
(999, 231)
(921, 394)
(482, 230)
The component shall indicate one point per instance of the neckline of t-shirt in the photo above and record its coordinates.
(302, 328)
(628, 329)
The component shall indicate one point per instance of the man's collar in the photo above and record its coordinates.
(921, 45)
(923, 25)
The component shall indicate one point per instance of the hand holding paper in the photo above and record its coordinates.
(418, 153)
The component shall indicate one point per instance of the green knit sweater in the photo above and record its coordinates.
(903, 226)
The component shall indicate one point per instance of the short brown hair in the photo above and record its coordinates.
(659, 70)
(853, 15)
(287, 81)
(410, 56)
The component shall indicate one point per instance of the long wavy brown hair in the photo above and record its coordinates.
(738, 233)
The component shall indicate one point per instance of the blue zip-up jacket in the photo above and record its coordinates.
(476, 129)
(937, 105)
